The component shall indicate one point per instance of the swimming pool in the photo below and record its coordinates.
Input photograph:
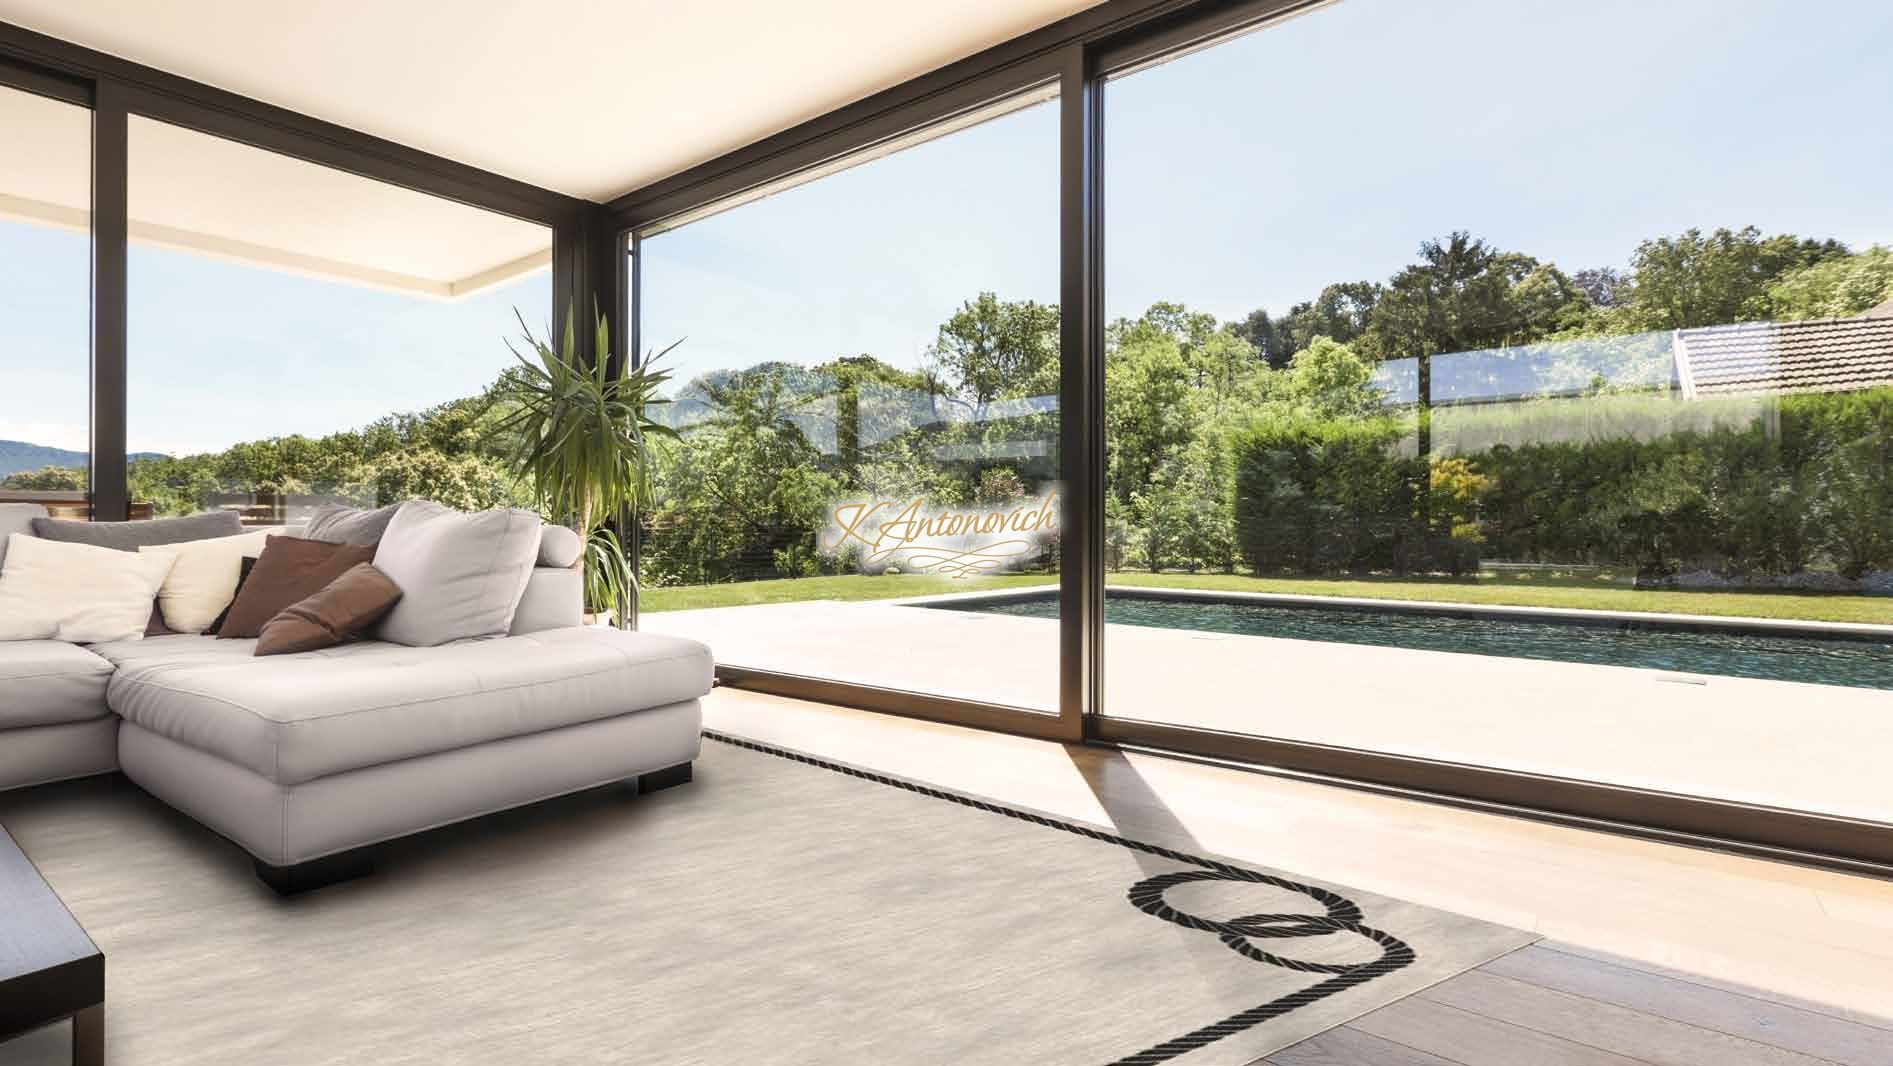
(1692, 649)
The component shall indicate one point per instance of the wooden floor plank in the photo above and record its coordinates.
(1348, 1046)
(1625, 1030)
(1764, 1021)
(1475, 1040)
(1882, 1021)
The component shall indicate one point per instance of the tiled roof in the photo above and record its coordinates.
(1821, 355)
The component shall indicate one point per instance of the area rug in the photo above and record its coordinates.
(779, 909)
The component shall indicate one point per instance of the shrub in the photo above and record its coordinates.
(1317, 495)
(797, 560)
(1807, 484)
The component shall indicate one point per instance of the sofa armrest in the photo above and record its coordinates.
(554, 599)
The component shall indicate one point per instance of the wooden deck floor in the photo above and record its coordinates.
(1554, 1004)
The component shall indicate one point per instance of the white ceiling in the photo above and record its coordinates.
(198, 193)
(589, 97)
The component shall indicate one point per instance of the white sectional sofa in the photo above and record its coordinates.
(306, 760)
(54, 721)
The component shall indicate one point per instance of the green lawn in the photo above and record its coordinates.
(849, 587)
(1523, 591)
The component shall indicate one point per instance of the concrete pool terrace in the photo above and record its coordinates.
(1782, 744)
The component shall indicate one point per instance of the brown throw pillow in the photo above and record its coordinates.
(348, 605)
(244, 567)
(290, 570)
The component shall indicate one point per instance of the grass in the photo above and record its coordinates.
(1514, 590)
(847, 587)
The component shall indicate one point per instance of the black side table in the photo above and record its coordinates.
(49, 968)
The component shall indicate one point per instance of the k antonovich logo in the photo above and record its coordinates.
(958, 542)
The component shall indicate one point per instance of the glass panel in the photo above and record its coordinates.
(866, 392)
(300, 335)
(1538, 419)
(45, 302)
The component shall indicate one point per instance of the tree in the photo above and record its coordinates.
(740, 486)
(1327, 380)
(1465, 295)
(1339, 313)
(873, 402)
(1220, 360)
(47, 479)
(1834, 288)
(1185, 516)
(1177, 381)
(463, 482)
(1694, 280)
(991, 349)
(1263, 334)
(1606, 286)
(1148, 419)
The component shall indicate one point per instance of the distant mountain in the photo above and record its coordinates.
(17, 456)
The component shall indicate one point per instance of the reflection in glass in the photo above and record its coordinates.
(1450, 425)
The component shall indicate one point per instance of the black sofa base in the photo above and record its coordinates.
(357, 862)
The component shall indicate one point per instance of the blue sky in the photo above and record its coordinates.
(1246, 175)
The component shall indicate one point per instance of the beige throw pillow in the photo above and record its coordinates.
(53, 590)
(204, 580)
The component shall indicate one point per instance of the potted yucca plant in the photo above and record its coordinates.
(580, 438)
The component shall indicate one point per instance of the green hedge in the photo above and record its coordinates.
(1810, 486)
(1322, 496)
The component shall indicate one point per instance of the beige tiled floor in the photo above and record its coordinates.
(1798, 746)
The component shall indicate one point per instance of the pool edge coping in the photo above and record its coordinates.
(1785, 627)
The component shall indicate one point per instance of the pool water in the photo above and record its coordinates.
(1850, 662)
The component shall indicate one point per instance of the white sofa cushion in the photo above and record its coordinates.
(559, 546)
(341, 524)
(295, 718)
(554, 599)
(461, 575)
(204, 579)
(47, 683)
(53, 590)
(16, 518)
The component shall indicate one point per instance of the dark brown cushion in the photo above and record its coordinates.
(290, 570)
(154, 626)
(243, 574)
(346, 606)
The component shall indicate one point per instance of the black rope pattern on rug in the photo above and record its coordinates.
(1341, 915)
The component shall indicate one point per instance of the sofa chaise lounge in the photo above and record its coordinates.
(306, 760)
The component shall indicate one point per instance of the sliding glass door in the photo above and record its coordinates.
(1511, 385)
(45, 302)
(865, 369)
